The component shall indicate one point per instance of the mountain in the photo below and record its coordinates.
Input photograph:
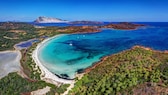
(49, 20)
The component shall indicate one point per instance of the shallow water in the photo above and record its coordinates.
(26, 44)
(67, 54)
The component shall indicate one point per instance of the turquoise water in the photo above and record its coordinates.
(67, 54)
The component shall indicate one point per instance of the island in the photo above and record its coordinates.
(123, 26)
(81, 29)
(43, 19)
(86, 22)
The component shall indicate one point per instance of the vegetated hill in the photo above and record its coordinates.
(12, 33)
(82, 29)
(135, 71)
(15, 25)
(123, 25)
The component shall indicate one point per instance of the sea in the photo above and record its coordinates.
(69, 54)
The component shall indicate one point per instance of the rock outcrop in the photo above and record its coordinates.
(49, 20)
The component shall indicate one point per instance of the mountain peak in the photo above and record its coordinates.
(43, 19)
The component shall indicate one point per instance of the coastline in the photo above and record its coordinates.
(46, 74)
(49, 75)
(88, 69)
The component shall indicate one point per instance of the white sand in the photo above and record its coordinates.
(46, 74)
(9, 62)
(41, 91)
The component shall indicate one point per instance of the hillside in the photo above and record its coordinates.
(136, 71)
(123, 26)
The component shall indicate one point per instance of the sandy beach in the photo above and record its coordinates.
(46, 74)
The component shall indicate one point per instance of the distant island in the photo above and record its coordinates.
(95, 24)
(42, 19)
(123, 26)
(85, 22)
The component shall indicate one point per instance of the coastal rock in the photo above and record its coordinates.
(49, 20)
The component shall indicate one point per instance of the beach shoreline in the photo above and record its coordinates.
(46, 74)
(102, 59)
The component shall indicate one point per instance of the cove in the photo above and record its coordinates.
(68, 54)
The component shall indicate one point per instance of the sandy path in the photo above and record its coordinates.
(41, 91)
(69, 88)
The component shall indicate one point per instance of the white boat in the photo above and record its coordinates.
(70, 44)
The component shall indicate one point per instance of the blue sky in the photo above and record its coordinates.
(97, 10)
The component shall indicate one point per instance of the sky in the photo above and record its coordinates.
(94, 10)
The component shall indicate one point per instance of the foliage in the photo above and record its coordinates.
(58, 90)
(13, 84)
(13, 33)
(29, 66)
(121, 72)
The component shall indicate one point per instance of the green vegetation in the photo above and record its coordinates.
(29, 66)
(33, 71)
(13, 84)
(12, 33)
(58, 90)
(121, 73)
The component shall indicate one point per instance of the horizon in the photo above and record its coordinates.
(88, 10)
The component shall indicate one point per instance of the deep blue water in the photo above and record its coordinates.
(67, 24)
(159, 24)
(67, 54)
